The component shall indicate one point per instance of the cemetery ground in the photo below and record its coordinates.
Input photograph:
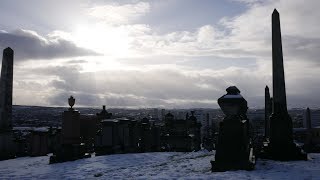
(157, 165)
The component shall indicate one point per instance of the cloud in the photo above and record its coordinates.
(120, 14)
(163, 69)
(29, 44)
(156, 86)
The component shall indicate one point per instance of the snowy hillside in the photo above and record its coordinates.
(164, 165)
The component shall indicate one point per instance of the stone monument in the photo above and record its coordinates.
(281, 145)
(267, 112)
(6, 137)
(71, 147)
(234, 150)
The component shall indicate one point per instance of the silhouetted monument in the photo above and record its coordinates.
(6, 138)
(267, 112)
(181, 134)
(6, 89)
(72, 147)
(104, 114)
(234, 150)
(281, 145)
(308, 119)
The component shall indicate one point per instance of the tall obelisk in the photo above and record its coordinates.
(6, 89)
(279, 86)
(282, 146)
(7, 148)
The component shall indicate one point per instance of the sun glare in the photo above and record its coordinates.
(110, 41)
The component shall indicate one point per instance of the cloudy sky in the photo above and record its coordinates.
(158, 53)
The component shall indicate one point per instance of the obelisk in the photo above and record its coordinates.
(6, 89)
(267, 111)
(282, 146)
(7, 148)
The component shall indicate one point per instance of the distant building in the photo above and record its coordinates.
(163, 113)
(315, 118)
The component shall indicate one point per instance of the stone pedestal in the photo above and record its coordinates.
(71, 148)
(234, 150)
(71, 127)
(281, 146)
(7, 149)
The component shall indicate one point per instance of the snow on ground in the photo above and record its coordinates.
(158, 165)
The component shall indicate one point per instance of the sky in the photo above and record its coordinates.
(158, 53)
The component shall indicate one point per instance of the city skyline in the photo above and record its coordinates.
(166, 54)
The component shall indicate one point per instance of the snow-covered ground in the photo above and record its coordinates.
(159, 165)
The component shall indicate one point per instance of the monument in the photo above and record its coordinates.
(72, 147)
(281, 145)
(267, 112)
(6, 136)
(234, 148)
(6, 89)
(104, 114)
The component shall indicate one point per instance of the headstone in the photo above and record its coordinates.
(71, 125)
(234, 150)
(72, 148)
(104, 114)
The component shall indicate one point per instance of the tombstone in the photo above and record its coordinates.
(181, 134)
(71, 125)
(88, 128)
(107, 139)
(134, 136)
(281, 146)
(145, 143)
(72, 148)
(39, 142)
(234, 150)
(104, 114)
(7, 149)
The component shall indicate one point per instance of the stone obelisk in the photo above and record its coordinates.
(267, 112)
(282, 146)
(6, 89)
(6, 137)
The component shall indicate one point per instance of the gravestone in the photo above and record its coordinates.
(234, 150)
(71, 148)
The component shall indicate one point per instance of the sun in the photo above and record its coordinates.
(106, 40)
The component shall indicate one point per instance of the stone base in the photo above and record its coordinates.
(7, 148)
(281, 146)
(234, 151)
(69, 153)
(100, 151)
(221, 166)
(283, 152)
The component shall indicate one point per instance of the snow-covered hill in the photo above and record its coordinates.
(160, 165)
